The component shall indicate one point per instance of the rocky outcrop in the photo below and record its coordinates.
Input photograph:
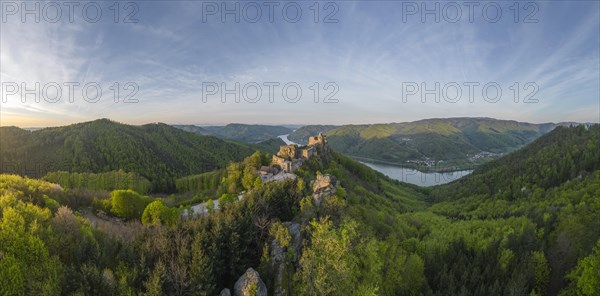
(288, 151)
(323, 186)
(282, 265)
(250, 284)
(294, 230)
(324, 182)
(278, 255)
(225, 292)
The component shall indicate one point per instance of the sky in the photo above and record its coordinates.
(329, 62)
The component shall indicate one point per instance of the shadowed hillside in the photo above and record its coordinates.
(157, 152)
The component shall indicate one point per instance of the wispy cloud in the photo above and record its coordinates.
(369, 53)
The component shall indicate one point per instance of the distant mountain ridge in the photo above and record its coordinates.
(249, 133)
(158, 152)
(431, 144)
(302, 134)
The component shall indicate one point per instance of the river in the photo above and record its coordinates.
(413, 176)
(286, 140)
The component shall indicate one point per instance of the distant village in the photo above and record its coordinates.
(484, 154)
(432, 163)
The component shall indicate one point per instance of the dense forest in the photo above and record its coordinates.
(456, 142)
(525, 224)
(157, 152)
(100, 181)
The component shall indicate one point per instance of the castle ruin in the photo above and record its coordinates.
(290, 157)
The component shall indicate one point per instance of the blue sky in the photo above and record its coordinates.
(371, 54)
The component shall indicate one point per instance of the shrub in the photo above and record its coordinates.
(128, 204)
(157, 213)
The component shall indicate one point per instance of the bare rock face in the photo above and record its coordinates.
(323, 186)
(281, 264)
(294, 230)
(225, 292)
(288, 151)
(250, 284)
(278, 253)
(324, 182)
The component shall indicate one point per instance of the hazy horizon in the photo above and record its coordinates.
(300, 124)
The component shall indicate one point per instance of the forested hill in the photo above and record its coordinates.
(554, 185)
(302, 134)
(559, 156)
(159, 152)
(249, 133)
(458, 142)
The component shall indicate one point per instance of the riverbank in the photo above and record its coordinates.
(453, 167)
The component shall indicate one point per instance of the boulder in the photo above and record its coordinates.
(324, 182)
(324, 186)
(250, 284)
(225, 292)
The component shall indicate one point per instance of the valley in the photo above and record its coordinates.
(431, 145)
(299, 148)
(237, 223)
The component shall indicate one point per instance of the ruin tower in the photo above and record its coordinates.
(290, 157)
(317, 140)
